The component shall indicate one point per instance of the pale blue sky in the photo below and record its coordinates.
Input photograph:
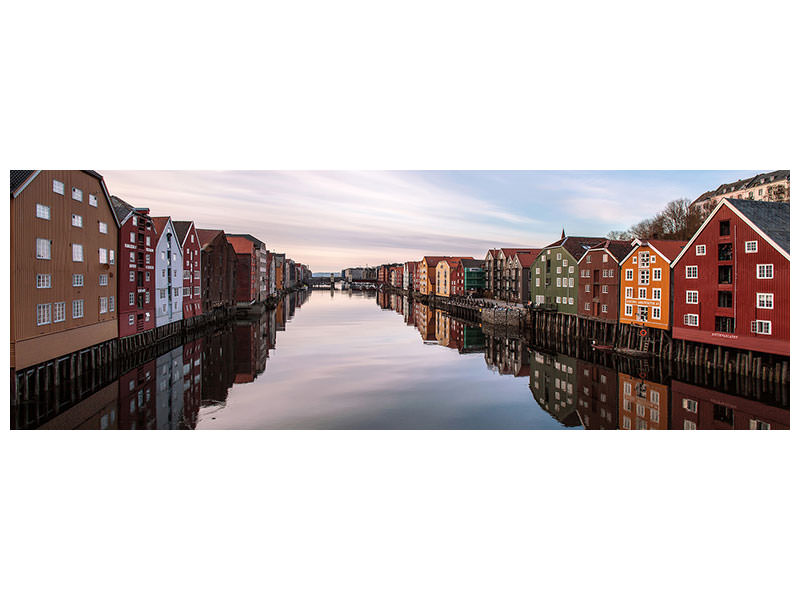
(335, 219)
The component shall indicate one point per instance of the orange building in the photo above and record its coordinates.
(645, 281)
(642, 403)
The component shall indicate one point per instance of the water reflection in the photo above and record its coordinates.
(344, 363)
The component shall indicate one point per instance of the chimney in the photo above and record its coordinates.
(563, 235)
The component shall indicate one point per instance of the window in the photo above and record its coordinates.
(92, 200)
(724, 227)
(147, 297)
(605, 308)
(724, 251)
(187, 291)
(162, 293)
(656, 293)
(77, 194)
(571, 282)
(690, 405)
(134, 222)
(43, 248)
(762, 300)
(558, 270)
(103, 254)
(147, 276)
(700, 250)
(77, 221)
(147, 316)
(538, 281)
(644, 277)
(587, 288)
(629, 310)
(59, 311)
(131, 299)
(629, 292)
(77, 309)
(691, 272)
(657, 274)
(763, 271)
(103, 305)
(77, 253)
(604, 289)
(538, 270)
(586, 306)
(77, 280)
(176, 292)
(132, 275)
(691, 320)
(43, 280)
(761, 327)
(692, 297)
(656, 313)
(751, 247)
(558, 299)
(111, 304)
(571, 269)
(147, 259)
(131, 320)
(558, 256)
(725, 274)
(725, 299)
(628, 274)
(42, 314)
(111, 257)
(756, 424)
(58, 187)
(644, 259)
(102, 227)
(43, 211)
(643, 293)
(689, 425)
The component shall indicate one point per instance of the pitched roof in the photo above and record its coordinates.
(182, 229)
(494, 252)
(241, 245)
(471, 263)
(618, 249)
(206, 236)
(742, 184)
(121, 208)
(252, 238)
(18, 178)
(772, 218)
(159, 223)
(511, 252)
(576, 246)
(528, 258)
(669, 249)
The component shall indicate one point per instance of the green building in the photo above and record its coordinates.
(474, 275)
(553, 383)
(554, 274)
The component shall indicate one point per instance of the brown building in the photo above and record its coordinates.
(63, 265)
(598, 284)
(597, 396)
(218, 270)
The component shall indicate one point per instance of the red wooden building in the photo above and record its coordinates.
(731, 281)
(136, 267)
(597, 386)
(246, 269)
(598, 284)
(192, 268)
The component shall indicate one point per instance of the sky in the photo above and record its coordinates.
(331, 220)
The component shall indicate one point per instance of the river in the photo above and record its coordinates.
(342, 360)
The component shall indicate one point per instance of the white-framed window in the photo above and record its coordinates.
(134, 221)
(633, 260)
(102, 226)
(59, 312)
(44, 280)
(628, 274)
(691, 320)
(77, 221)
(558, 270)
(644, 259)
(131, 276)
(627, 390)
(176, 292)
(761, 327)
(103, 279)
(587, 288)
(147, 258)
(604, 308)
(147, 275)
(187, 291)
(765, 300)
(103, 255)
(763, 271)
(162, 293)
(147, 240)
(588, 258)
(692, 297)
(656, 294)
(77, 309)
(657, 274)
(690, 405)
(147, 297)
(604, 289)
(77, 280)
(58, 186)
(131, 321)
(77, 252)
(691, 272)
(558, 299)
(586, 306)
(564, 263)
(110, 257)
(643, 293)
(571, 269)
(751, 247)
(571, 299)
(131, 298)
(133, 257)
(111, 303)
(538, 282)
(77, 194)
(629, 292)
(700, 250)
(629, 310)
(558, 281)
(558, 256)
(43, 314)
(43, 211)
(689, 425)
(147, 316)
(572, 282)
(644, 277)
(656, 313)
(92, 200)
(103, 304)
(43, 248)
(756, 424)
(605, 258)
(538, 270)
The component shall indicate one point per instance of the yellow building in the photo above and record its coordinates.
(443, 283)
(427, 274)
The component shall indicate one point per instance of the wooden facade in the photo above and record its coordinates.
(246, 269)
(643, 404)
(598, 281)
(192, 269)
(217, 269)
(63, 265)
(732, 280)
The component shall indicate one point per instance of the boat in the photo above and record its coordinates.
(623, 351)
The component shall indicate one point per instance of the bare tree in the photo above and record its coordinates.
(618, 235)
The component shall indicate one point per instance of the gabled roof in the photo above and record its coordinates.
(743, 184)
(252, 238)
(772, 218)
(472, 263)
(182, 229)
(618, 249)
(206, 236)
(576, 246)
(526, 259)
(241, 245)
(123, 210)
(511, 252)
(159, 224)
(768, 219)
(667, 249)
(493, 252)
(18, 178)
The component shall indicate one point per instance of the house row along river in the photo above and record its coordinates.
(365, 360)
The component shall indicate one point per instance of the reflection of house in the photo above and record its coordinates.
(98, 411)
(694, 407)
(169, 389)
(553, 381)
(250, 349)
(192, 381)
(137, 397)
(217, 372)
(597, 395)
(425, 322)
(507, 356)
(642, 403)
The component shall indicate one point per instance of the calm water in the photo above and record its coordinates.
(336, 360)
